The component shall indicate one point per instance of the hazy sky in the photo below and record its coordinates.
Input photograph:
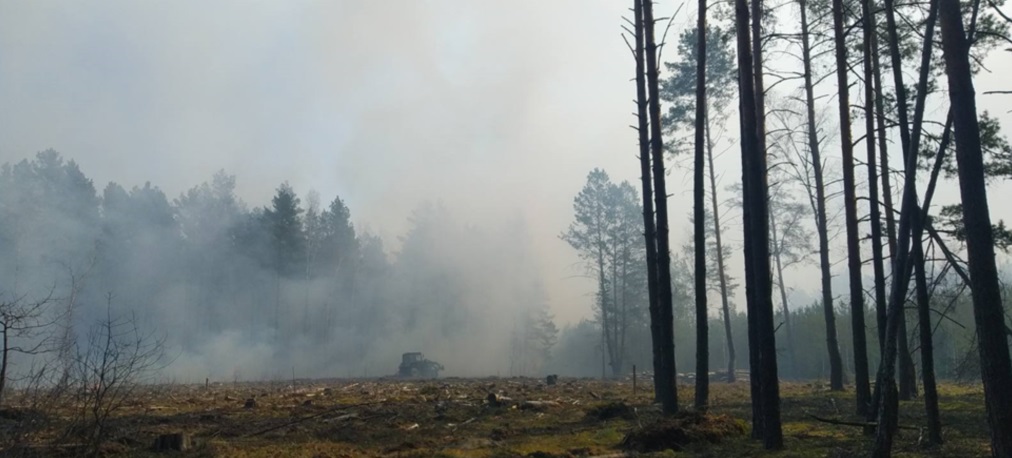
(495, 108)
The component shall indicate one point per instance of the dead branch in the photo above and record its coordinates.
(860, 424)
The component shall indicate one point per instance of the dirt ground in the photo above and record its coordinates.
(506, 417)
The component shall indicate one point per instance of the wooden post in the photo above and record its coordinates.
(634, 380)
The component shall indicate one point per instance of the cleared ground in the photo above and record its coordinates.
(456, 417)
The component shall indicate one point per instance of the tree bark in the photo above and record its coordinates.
(649, 233)
(670, 388)
(832, 343)
(862, 386)
(875, 216)
(995, 366)
(756, 214)
(702, 331)
(747, 133)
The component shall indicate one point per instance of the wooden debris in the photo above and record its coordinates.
(538, 405)
(861, 424)
(498, 400)
(179, 442)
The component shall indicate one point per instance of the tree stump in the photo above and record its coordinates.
(179, 442)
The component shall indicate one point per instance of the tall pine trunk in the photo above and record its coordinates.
(995, 366)
(861, 383)
(669, 400)
(908, 380)
(698, 200)
(920, 278)
(875, 216)
(757, 278)
(910, 228)
(907, 377)
(832, 343)
(649, 233)
(746, 123)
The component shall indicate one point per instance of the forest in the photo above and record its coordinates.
(800, 251)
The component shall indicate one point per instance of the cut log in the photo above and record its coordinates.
(179, 442)
(538, 405)
(497, 400)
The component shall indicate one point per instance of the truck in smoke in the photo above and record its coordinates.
(414, 365)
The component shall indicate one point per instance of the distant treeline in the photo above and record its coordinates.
(244, 291)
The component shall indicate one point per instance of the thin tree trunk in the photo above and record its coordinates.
(908, 228)
(907, 376)
(861, 383)
(934, 436)
(778, 243)
(670, 387)
(720, 254)
(614, 349)
(878, 262)
(698, 200)
(4, 361)
(905, 133)
(649, 233)
(920, 281)
(910, 137)
(995, 365)
(832, 342)
(624, 321)
(606, 338)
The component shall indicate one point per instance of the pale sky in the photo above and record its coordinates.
(494, 108)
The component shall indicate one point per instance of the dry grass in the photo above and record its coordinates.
(451, 417)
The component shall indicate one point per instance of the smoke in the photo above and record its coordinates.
(495, 109)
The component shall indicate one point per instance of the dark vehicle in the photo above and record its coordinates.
(414, 365)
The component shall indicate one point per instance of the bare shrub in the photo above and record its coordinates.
(114, 360)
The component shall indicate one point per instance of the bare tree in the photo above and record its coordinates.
(26, 328)
(789, 245)
(649, 227)
(832, 343)
(669, 398)
(115, 358)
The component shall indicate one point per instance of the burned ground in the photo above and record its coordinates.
(454, 417)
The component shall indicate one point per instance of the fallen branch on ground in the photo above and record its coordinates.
(861, 424)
